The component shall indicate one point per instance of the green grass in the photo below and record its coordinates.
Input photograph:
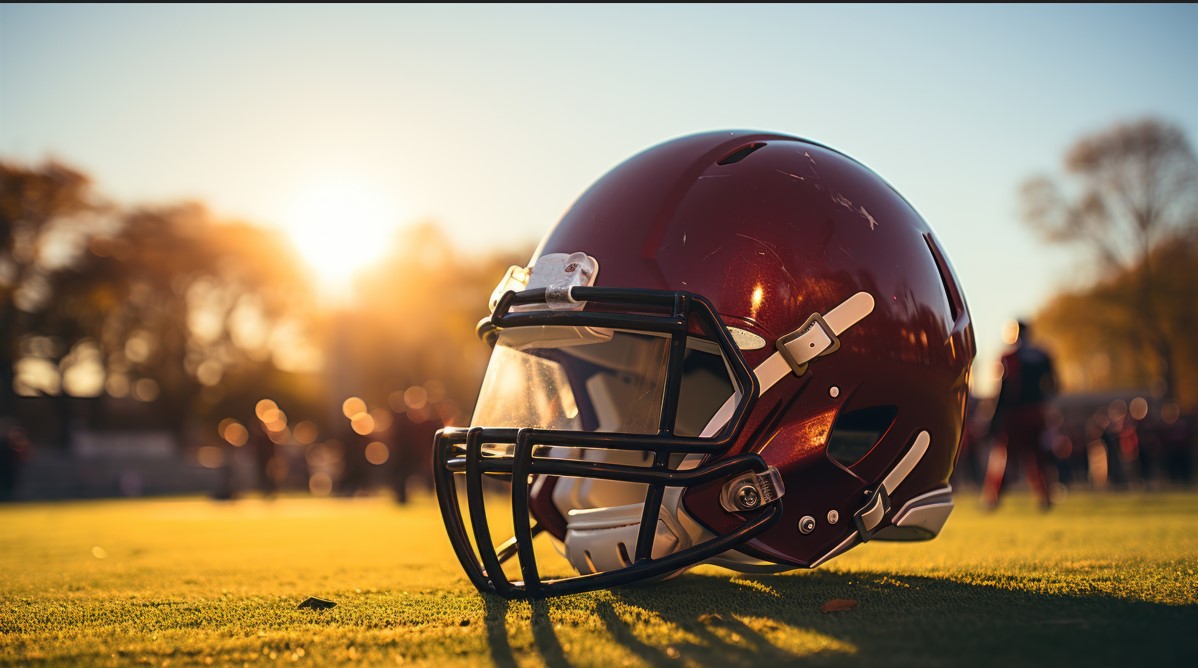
(1102, 580)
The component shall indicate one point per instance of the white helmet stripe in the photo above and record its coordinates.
(907, 463)
(775, 367)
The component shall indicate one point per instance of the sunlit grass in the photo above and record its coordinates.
(1102, 580)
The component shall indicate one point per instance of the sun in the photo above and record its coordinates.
(339, 227)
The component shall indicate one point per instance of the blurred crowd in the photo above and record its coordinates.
(1093, 442)
(362, 450)
(1058, 442)
(387, 446)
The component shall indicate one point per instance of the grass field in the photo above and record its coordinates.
(1102, 580)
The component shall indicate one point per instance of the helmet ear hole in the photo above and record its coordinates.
(856, 432)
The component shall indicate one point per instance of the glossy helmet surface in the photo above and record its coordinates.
(738, 348)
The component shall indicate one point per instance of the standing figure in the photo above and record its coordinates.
(1019, 429)
(14, 451)
(415, 426)
(264, 454)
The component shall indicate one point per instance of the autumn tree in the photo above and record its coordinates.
(166, 317)
(1100, 345)
(194, 307)
(1124, 193)
(47, 213)
(165, 305)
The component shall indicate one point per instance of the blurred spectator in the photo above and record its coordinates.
(14, 450)
(1059, 449)
(355, 473)
(1069, 450)
(1019, 426)
(1098, 455)
(1119, 444)
(415, 427)
(1129, 446)
(226, 489)
(1176, 434)
(264, 454)
(1149, 434)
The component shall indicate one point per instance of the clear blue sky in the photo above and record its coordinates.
(491, 119)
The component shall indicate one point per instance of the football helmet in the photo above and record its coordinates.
(736, 348)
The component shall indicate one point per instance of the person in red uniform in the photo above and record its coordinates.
(1019, 428)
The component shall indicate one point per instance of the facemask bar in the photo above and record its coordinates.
(485, 570)
(461, 450)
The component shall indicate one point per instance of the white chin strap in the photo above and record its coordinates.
(602, 536)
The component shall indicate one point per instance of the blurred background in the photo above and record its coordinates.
(243, 248)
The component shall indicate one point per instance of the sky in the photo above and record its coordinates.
(492, 119)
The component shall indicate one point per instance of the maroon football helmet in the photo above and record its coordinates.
(736, 348)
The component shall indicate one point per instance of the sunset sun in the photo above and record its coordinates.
(340, 227)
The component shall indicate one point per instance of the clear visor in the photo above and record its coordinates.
(598, 380)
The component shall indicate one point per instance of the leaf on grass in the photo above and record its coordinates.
(838, 605)
(314, 603)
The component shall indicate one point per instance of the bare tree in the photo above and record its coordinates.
(1126, 190)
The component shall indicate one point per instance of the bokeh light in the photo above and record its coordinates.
(1170, 412)
(263, 409)
(1138, 408)
(305, 432)
(352, 406)
(210, 457)
(234, 432)
(117, 385)
(320, 484)
(362, 424)
(377, 453)
(145, 389)
(415, 397)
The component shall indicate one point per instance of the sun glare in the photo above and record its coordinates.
(339, 227)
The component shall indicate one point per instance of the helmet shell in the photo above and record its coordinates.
(771, 229)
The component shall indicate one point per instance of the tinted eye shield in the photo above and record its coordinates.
(524, 453)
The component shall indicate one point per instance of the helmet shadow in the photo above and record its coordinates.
(715, 620)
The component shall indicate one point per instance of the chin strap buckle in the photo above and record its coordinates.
(752, 491)
(814, 339)
(819, 334)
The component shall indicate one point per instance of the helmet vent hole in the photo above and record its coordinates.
(950, 296)
(740, 153)
(857, 432)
